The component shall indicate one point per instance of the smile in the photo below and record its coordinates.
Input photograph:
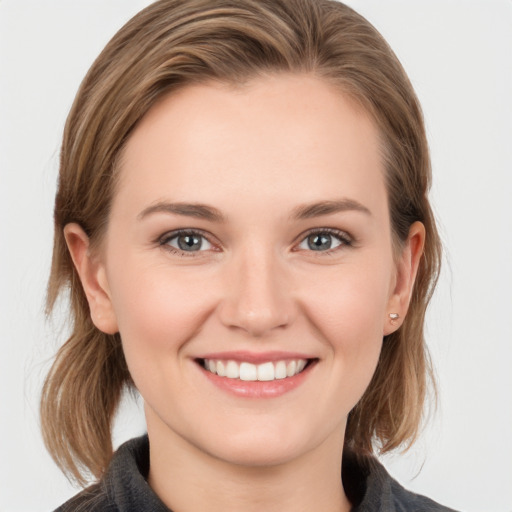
(249, 372)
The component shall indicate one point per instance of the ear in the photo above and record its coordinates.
(93, 277)
(406, 270)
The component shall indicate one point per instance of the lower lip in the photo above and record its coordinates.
(258, 389)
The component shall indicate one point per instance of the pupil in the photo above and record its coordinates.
(319, 242)
(189, 242)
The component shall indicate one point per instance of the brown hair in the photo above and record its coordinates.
(173, 43)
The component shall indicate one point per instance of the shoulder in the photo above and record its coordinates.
(372, 489)
(407, 501)
(91, 499)
(123, 487)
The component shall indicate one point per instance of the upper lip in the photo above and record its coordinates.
(255, 357)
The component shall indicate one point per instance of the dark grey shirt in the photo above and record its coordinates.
(124, 487)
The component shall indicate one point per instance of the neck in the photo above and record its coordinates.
(189, 480)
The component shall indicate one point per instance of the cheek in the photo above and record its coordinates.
(348, 312)
(350, 302)
(157, 311)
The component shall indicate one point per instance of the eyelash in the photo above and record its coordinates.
(164, 240)
(344, 238)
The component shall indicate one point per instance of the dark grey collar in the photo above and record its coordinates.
(124, 487)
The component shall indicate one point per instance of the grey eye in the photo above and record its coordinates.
(189, 242)
(320, 242)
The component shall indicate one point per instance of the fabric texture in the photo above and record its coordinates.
(124, 487)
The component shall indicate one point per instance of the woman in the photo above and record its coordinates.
(243, 224)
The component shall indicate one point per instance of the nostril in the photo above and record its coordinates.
(256, 322)
(258, 299)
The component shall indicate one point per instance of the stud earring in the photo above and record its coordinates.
(394, 316)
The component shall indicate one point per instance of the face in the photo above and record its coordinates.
(248, 266)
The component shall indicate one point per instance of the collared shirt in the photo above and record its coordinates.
(124, 487)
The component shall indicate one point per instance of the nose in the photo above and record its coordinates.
(257, 293)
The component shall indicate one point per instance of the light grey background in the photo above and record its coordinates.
(458, 55)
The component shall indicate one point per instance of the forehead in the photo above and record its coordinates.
(290, 138)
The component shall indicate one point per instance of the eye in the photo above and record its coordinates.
(324, 240)
(186, 241)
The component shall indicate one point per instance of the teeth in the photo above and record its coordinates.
(266, 371)
(280, 372)
(232, 370)
(291, 368)
(248, 371)
(255, 372)
(221, 370)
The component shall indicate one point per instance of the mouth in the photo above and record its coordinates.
(250, 372)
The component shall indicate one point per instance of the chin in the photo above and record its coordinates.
(261, 452)
(264, 444)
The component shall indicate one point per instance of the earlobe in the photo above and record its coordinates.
(407, 269)
(93, 278)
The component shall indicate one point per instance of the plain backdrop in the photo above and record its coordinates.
(458, 54)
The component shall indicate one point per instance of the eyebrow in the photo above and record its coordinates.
(203, 211)
(311, 210)
(197, 210)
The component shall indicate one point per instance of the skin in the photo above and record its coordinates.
(256, 154)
